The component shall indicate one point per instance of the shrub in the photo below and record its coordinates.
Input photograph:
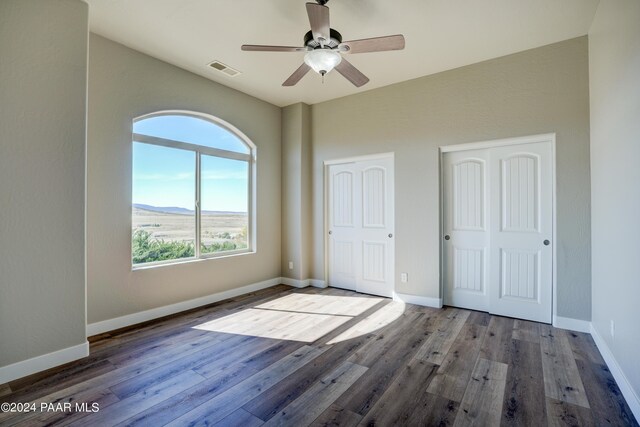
(146, 249)
(223, 246)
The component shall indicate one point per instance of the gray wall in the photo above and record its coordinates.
(43, 88)
(124, 84)
(297, 214)
(614, 67)
(537, 91)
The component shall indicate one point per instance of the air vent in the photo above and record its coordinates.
(223, 68)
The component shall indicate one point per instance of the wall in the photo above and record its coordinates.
(297, 215)
(43, 90)
(537, 91)
(125, 84)
(614, 68)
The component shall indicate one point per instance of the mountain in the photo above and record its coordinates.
(177, 210)
(164, 209)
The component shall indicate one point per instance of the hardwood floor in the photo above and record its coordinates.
(328, 357)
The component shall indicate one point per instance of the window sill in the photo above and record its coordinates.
(208, 257)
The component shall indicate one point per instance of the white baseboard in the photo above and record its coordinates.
(623, 383)
(60, 357)
(316, 283)
(572, 324)
(296, 283)
(41, 363)
(418, 300)
(154, 313)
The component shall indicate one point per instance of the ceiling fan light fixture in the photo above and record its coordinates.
(324, 47)
(322, 61)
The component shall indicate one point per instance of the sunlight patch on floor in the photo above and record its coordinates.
(306, 317)
(275, 324)
(377, 320)
(323, 304)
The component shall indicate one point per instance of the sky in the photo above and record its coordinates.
(166, 176)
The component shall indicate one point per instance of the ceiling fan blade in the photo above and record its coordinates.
(297, 75)
(375, 44)
(263, 48)
(351, 73)
(319, 20)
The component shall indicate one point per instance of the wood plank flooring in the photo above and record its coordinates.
(328, 357)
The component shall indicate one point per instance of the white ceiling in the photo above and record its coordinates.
(440, 35)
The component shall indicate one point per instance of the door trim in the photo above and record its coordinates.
(325, 201)
(546, 137)
(358, 159)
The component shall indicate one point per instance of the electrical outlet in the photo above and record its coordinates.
(404, 277)
(290, 265)
(613, 329)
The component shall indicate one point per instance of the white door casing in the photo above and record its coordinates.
(360, 225)
(498, 212)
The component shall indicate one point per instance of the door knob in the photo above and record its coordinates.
(546, 242)
(447, 237)
(329, 231)
(390, 235)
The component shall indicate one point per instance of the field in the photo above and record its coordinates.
(216, 227)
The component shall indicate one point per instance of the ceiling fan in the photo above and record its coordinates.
(324, 47)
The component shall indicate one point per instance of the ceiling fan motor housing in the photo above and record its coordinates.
(335, 38)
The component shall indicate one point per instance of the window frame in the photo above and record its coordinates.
(200, 150)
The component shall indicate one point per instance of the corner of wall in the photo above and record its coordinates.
(618, 374)
(41, 363)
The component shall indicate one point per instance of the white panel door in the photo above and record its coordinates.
(498, 225)
(376, 270)
(466, 214)
(361, 244)
(521, 231)
(345, 233)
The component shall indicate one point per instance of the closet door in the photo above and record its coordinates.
(344, 227)
(360, 239)
(521, 231)
(376, 270)
(466, 228)
(498, 226)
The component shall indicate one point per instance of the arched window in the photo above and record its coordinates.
(192, 188)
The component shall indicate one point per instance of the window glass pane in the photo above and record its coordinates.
(163, 203)
(190, 129)
(224, 195)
